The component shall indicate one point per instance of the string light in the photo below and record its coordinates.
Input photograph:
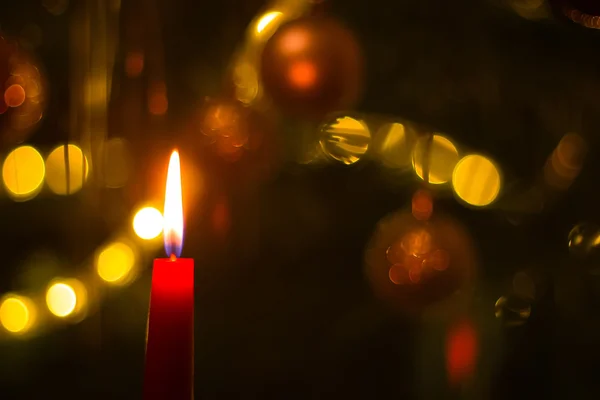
(148, 223)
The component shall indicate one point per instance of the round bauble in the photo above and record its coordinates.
(312, 66)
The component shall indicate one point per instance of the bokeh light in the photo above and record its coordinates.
(66, 297)
(394, 145)
(61, 299)
(14, 95)
(17, 314)
(22, 99)
(220, 118)
(63, 158)
(476, 180)
(461, 352)
(96, 91)
(116, 262)
(435, 157)
(345, 140)
(148, 223)
(422, 205)
(158, 103)
(438, 260)
(134, 64)
(116, 167)
(23, 173)
(566, 161)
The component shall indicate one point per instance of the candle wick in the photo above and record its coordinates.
(173, 258)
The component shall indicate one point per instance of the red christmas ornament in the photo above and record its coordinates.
(311, 67)
(22, 90)
(414, 265)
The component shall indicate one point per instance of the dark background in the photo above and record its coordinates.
(283, 309)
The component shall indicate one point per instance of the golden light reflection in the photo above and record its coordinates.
(584, 239)
(115, 263)
(513, 310)
(266, 20)
(246, 82)
(148, 223)
(476, 180)
(23, 173)
(66, 169)
(17, 314)
(395, 145)
(438, 156)
(66, 297)
(345, 140)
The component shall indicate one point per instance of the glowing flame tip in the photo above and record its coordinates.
(173, 212)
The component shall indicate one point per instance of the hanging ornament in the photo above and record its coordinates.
(584, 239)
(22, 90)
(312, 66)
(416, 260)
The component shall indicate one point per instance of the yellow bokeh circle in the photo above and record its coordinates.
(66, 169)
(66, 297)
(148, 223)
(436, 157)
(115, 263)
(17, 314)
(476, 180)
(23, 173)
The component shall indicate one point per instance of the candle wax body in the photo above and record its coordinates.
(169, 369)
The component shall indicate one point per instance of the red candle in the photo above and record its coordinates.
(169, 369)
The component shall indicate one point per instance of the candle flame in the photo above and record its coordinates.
(173, 212)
